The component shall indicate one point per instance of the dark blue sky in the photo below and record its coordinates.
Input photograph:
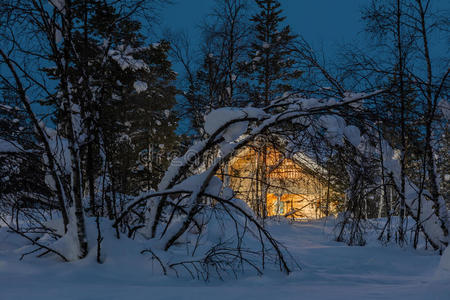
(313, 18)
(325, 24)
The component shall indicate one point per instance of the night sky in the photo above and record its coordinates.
(325, 24)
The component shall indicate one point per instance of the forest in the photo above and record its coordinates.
(141, 163)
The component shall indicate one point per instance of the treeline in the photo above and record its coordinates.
(91, 106)
(248, 56)
(106, 98)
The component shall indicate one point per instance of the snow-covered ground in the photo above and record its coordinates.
(330, 270)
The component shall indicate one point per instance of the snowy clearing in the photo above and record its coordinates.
(331, 270)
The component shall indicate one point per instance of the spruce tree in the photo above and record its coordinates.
(137, 98)
(125, 96)
(271, 68)
(21, 171)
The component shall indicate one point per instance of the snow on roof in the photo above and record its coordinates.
(299, 158)
(308, 162)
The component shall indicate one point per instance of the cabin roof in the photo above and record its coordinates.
(299, 158)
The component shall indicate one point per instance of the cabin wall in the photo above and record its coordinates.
(291, 190)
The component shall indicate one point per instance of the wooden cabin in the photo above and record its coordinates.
(295, 187)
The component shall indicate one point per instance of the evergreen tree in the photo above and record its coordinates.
(21, 171)
(13, 123)
(271, 67)
(135, 100)
(443, 164)
(123, 96)
(207, 90)
(410, 127)
(146, 113)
